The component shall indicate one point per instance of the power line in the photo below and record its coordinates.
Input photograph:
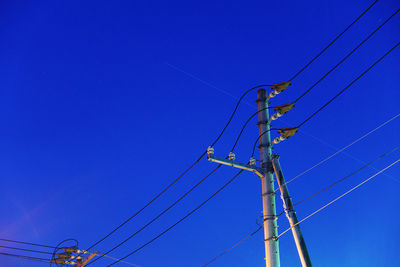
(217, 139)
(348, 55)
(151, 201)
(334, 40)
(159, 215)
(302, 69)
(183, 218)
(26, 243)
(347, 176)
(340, 62)
(258, 138)
(30, 250)
(221, 133)
(25, 257)
(343, 148)
(245, 124)
(301, 201)
(180, 176)
(339, 197)
(350, 84)
(309, 117)
(328, 74)
(237, 244)
(235, 109)
(126, 262)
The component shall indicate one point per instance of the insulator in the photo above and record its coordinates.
(275, 116)
(278, 139)
(278, 88)
(272, 94)
(231, 156)
(252, 161)
(210, 150)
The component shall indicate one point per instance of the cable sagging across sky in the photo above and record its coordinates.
(182, 219)
(339, 197)
(333, 41)
(301, 201)
(348, 86)
(159, 215)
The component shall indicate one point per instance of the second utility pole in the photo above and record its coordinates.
(268, 192)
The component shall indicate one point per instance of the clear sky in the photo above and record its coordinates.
(104, 103)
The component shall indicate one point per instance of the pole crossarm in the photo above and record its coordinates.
(235, 164)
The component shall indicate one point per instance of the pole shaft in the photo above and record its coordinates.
(268, 192)
(291, 214)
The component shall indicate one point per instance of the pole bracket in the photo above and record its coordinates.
(232, 163)
(275, 238)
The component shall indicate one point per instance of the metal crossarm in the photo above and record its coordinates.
(235, 164)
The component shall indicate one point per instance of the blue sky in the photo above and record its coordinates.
(104, 103)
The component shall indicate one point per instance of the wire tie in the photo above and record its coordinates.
(275, 238)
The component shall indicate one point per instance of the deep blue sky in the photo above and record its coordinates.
(103, 103)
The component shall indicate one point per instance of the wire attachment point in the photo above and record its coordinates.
(285, 134)
(280, 110)
(279, 88)
(210, 151)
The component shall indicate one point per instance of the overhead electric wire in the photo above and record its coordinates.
(348, 86)
(347, 176)
(340, 62)
(344, 178)
(312, 60)
(237, 244)
(223, 130)
(342, 149)
(245, 124)
(348, 55)
(258, 138)
(183, 218)
(160, 214)
(180, 176)
(334, 40)
(126, 262)
(24, 249)
(301, 201)
(26, 243)
(25, 257)
(304, 67)
(339, 197)
(235, 109)
(148, 203)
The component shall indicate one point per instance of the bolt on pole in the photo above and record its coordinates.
(291, 214)
(267, 181)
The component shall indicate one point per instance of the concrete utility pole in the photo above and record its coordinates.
(266, 172)
(267, 183)
(291, 214)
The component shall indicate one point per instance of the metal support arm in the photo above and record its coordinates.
(235, 164)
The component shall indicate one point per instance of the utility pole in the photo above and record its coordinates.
(266, 171)
(267, 183)
(291, 214)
